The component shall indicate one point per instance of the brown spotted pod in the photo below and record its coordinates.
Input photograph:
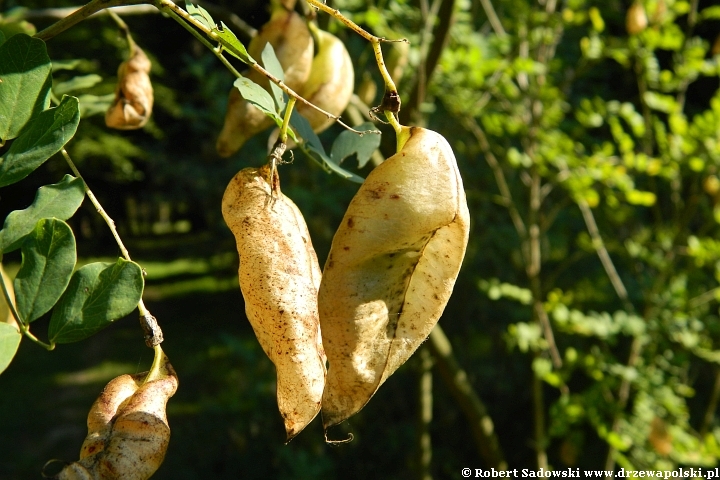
(279, 278)
(391, 269)
(128, 431)
(133, 102)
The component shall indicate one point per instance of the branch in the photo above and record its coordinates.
(456, 380)
(142, 8)
(425, 406)
(81, 14)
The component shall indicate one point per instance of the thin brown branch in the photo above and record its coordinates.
(493, 18)
(456, 380)
(83, 13)
(144, 8)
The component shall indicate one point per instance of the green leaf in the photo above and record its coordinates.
(98, 294)
(24, 83)
(59, 200)
(303, 128)
(48, 260)
(2, 38)
(77, 83)
(327, 164)
(95, 104)
(258, 96)
(9, 341)
(44, 137)
(272, 65)
(349, 143)
(710, 13)
(233, 45)
(200, 14)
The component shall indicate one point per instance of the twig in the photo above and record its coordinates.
(142, 9)
(81, 14)
(390, 105)
(468, 400)
(493, 18)
(144, 313)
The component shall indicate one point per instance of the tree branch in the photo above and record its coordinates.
(456, 380)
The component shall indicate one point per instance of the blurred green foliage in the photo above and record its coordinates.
(588, 300)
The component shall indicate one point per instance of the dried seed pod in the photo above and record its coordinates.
(331, 81)
(133, 95)
(290, 37)
(636, 19)
(128, 432)
(279, 279)
(391, 269)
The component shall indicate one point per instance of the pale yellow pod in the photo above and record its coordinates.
(279, 278)
(391, 269)
(290, 37)
(134, 98)
(331, 82)
(636, 19)
(128, 432)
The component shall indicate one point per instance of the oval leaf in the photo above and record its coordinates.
(272, 65)
(233, 45)
(59, 200)
(24, 83)
(48, 260)
(9, 341)
(98, 294)
(48, 132)
(258, 96)
(349, 143)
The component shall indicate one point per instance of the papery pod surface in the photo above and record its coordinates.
(128, 431)
(391, 269)
(331, 82)
(279, 278)
(133, 102)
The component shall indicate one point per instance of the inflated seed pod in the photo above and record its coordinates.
(636, 19)
(290, 37)
(133, 102)
(279, 278)
(391, 269)
(331, 81)
(128, 432)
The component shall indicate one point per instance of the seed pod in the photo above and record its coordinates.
(636, 20)
(279, 279)
(128, 432)
(391, 269)
(133, 95)
(288, 33)
(331, 81)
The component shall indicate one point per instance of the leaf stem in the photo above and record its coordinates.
(110, 223)
(25, 329)
(286, 120)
